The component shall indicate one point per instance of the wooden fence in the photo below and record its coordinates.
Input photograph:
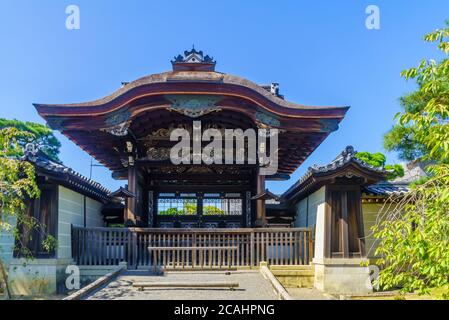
(192, 248)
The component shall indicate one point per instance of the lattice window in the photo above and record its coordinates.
(176, 206)
(228, 207)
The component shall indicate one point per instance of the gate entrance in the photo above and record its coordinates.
(200, 210)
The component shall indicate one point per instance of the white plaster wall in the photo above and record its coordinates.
(307, 208)
(301, 214)
(370, 212)
(7, 240)
(315, 200)
(71, 212)
(94, 216)
(320, 232)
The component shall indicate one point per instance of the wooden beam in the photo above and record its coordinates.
(344, 231)
(131, 202)
(142, 285)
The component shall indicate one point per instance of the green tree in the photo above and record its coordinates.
(189, 208)
(401, 137)
(414, 233)
(406, 137)
(378, 160)
(42, 136)
(169, 212)
(17, 187)
(213, 211)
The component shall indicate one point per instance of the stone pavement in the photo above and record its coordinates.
(253, 286)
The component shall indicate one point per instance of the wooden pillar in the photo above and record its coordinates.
(151, 210)
(344, 228)
(261, 219)
(344, 222)
(131, 206)
(249, 222)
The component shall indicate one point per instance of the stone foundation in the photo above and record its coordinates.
(342, 276)
(42, 277)
(37, 277)
(294, 276)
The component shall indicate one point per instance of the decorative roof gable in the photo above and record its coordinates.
(193, 60)
(122, 193)
(266, 196)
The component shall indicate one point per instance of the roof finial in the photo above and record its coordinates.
(30, 148)
(193, 60)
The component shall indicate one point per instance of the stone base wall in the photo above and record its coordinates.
(294, 276)
(37, 277)
(43, 277)
(342, 276)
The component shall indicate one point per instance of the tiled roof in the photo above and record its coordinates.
(413, 171)
(122, 193)
(385, 188)
(199, 76)
(267, 196)
(74, 179)
(344, 158)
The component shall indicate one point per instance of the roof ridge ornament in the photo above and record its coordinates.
(193, 60)
(31, 149)
(349, 150)
(347, 154)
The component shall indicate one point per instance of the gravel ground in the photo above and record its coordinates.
(253, 286)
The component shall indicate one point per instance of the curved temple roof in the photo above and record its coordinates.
(193, 88)
(194, 83)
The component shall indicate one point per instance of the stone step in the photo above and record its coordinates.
(294, 276)
(291, 268)
(294, 273)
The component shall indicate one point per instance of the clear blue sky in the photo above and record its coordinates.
(319, 51)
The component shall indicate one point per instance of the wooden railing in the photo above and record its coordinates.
(109, 246)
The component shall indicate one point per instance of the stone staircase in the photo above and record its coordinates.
(294, 276)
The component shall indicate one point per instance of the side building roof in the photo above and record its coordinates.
(413, 171)
(386, 189)
(64, 175)
(344, 165)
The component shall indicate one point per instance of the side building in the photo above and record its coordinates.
(299, 205)
(341, 202)
(67, 199)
